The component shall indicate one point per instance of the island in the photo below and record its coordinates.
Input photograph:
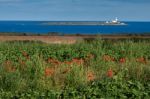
(112, 22)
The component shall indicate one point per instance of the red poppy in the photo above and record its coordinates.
(90, 76)
(141, 60)
(68, 62)
(78, 61)
(122, 60)
(110, 73)
(49, 71)
(108, 58)
(53, 61)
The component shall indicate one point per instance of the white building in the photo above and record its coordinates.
(115, 21)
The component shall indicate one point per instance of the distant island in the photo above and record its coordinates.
(113, 22)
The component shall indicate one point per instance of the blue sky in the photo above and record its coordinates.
(96, 10)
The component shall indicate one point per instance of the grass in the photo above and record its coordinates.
(88, 69)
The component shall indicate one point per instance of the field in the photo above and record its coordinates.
(90, 69)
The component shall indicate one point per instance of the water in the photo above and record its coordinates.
(37, 27)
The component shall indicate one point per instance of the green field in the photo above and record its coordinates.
(97, 69)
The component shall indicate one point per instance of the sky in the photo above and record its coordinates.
(75, 10)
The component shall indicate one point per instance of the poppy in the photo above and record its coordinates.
(49, 71)
(141, 60)
(110, 73)
(90, 76)
(78, 61)
(122, 60)
(108, 58)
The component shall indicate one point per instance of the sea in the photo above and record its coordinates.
(39, 27)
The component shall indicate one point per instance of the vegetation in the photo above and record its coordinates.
(87, 70)
(132, 35)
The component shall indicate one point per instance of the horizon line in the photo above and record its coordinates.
(80, 20)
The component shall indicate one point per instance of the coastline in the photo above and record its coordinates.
(69, 39)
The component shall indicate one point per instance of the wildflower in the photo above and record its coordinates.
(68, 62)
(90, 76)
(141, 60)
(122, 60)
(110, 73)
(53, 61)
(49, 71)
(25, 54)
(108, 58)
(78, 61)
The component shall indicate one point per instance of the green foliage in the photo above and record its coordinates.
(37, 70)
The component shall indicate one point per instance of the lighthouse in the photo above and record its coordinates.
(115, 21)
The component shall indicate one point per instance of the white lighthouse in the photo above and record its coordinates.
(115, 21)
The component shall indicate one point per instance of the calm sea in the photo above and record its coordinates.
(38, 27)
